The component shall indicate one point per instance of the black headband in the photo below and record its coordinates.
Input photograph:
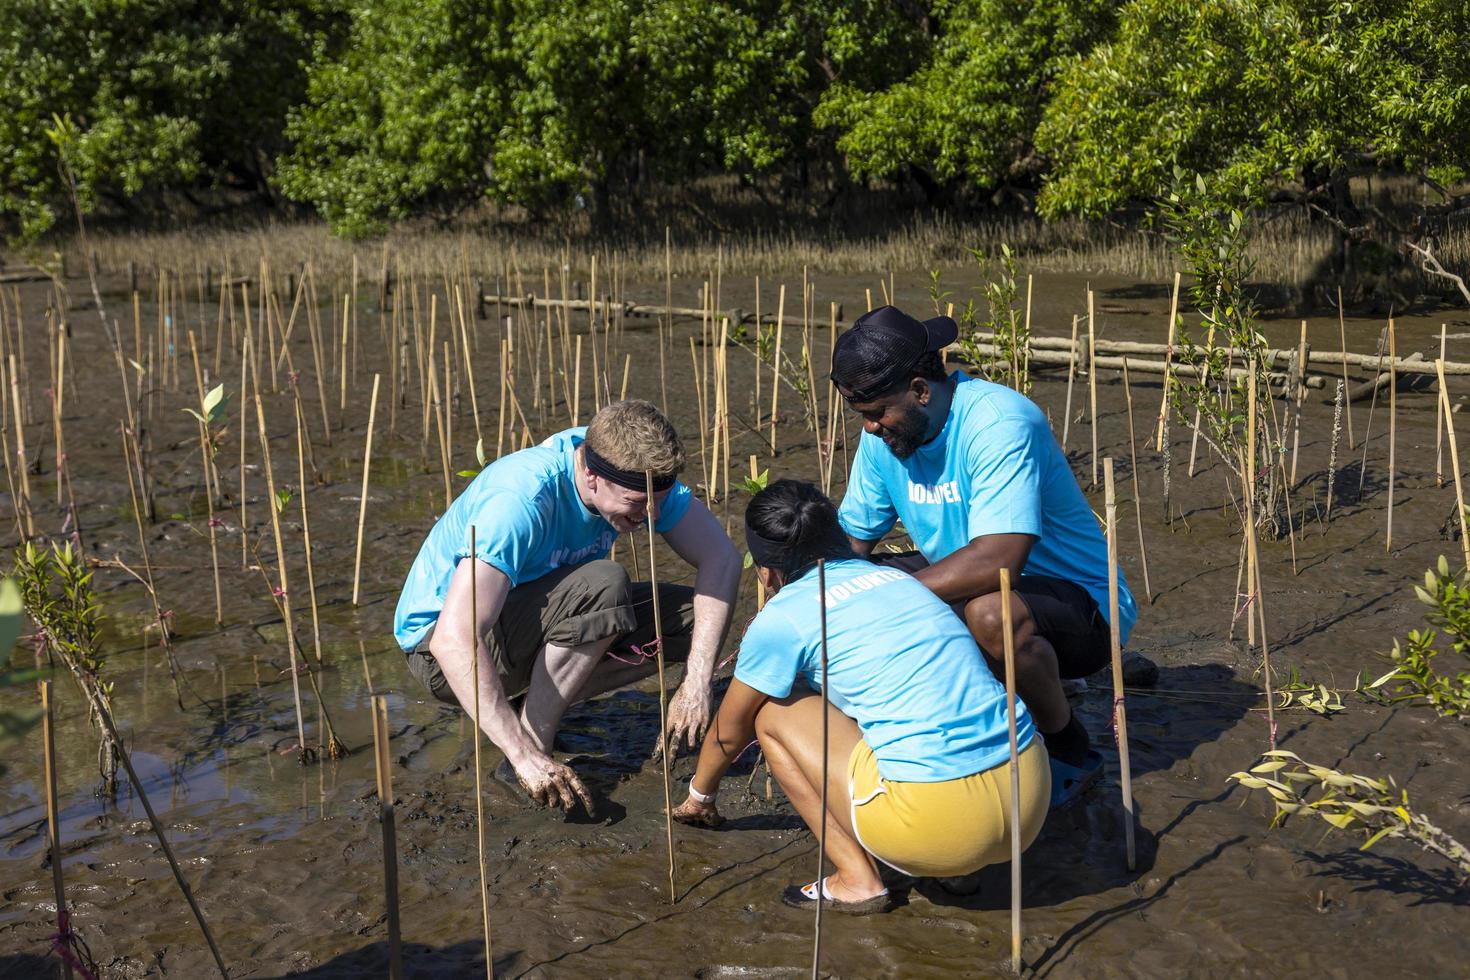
(630, 479)
(763, 551)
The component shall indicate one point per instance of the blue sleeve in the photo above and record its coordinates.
(770, 656)
(674, 507)
(1005, 478)
(507, 529)
(867, 511)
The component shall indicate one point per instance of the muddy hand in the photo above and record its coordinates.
(689, 712)
(554, 784)
(697, 814)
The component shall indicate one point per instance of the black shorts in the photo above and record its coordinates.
(1065, 614)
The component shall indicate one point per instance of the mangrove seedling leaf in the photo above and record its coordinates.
(479, 452)
(12, 615)
(215, 403)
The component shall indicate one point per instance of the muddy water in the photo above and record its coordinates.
(286, 859)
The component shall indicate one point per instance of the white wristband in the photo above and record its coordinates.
(697, 796)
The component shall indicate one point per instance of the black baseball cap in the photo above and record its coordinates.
(879, 351)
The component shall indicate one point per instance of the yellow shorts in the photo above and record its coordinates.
(949, 828)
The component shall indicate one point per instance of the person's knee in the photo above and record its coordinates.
(605, 584)
(987, 625)
(985, 618)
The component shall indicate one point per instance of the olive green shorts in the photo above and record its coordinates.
(568, 607)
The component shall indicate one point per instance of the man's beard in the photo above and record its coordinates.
(904, 438)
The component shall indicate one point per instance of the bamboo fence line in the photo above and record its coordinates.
(1040, 346)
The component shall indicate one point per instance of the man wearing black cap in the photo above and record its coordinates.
(974, 473)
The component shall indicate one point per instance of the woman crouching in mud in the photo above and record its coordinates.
(918, 749)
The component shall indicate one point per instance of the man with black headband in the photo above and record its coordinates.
(975, 474)
(553, 619)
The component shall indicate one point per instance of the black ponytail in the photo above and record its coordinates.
(791, 524)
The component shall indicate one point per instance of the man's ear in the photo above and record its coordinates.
(921, 390)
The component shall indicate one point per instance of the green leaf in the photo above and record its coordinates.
(12, 615)
(215, 403)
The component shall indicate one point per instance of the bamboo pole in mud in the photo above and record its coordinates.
(367, 462)
(1204, 381)
(1014, 814)
(1253, 563)
(1168, 362)
(776, 362)
(1372, 407)
(1449, 425)
(1120, 705)
(1071, 376)
(469, 370)
(479, 791)
(826, 738)
(1092, 377)
(20, 449)
(703, 418)
(1346, 384)
(666, 327)
(316, 629)
(1439, 420)
(577, 383)
(1148, 592)
(1026, 352)
(244, 414)
(342, 370)
(1393, 414)
(658, 646)
(1301, 394)
(105, 715)
(390, 838)
(285, 593)
(219, 610)
(53, 828)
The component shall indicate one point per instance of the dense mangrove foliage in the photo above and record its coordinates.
(366, 111)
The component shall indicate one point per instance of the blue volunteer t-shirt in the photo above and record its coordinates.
(995, 468)
(898, 662)
(529, 520)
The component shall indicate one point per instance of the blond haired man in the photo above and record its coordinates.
(554, 620)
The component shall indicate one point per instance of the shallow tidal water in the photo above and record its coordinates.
(286, 859)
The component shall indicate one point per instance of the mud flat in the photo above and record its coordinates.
(286, 859)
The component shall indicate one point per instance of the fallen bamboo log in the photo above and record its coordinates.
(628, 309)
(1060, 359)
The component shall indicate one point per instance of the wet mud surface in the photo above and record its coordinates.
(286, 860)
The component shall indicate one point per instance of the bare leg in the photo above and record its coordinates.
(1038, 681)
(557, 681)
(790, 735)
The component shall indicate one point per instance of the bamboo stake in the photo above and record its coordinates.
(577, 384)
(826, 738)
(1393, 413)
(53, 826)
(1346, 384)
(106, 716)
(20, 447)
(469, 370)
(1168, 360)
(1372, 407)
(658, 646)
(1301, 393)
(390, 837)
(1204, 382)
(1007, 631)
(316, 629)
(1148, 592)
(1071, 375)
(1332, 452)
(1092, 377)
(285, 596)
(1439, 421)
(1449, 425)
(1120, 705)
(367, 462)
(436, 402)
(479, 792)
(776, 362)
